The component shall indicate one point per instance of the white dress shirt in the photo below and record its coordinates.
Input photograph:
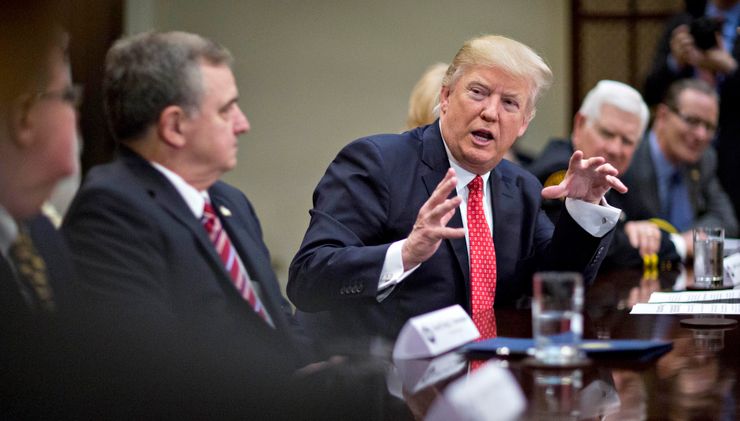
(8, 232)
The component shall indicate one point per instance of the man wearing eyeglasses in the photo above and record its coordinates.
(673, 175)
(38, 144)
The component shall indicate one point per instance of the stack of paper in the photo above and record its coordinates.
(691, 302)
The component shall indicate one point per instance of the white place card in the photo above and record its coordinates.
(597, 400)
(434, 333)
(732, 268)
(416, 374)
(688, 296)
(488, 394)
(685, 308)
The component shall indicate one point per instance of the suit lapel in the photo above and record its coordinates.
(12, 304)
(646, 169)
(249, 249)
(503, 207)
(435, 157)
(166, 196)
(506, 214)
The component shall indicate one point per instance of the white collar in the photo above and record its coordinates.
(195, 199)
(8, 231)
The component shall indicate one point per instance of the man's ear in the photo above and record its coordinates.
(660, 111)
(444, 99)
(20, 127)
(170, 126)
(579, 123)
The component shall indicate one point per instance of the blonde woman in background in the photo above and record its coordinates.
(425, 97)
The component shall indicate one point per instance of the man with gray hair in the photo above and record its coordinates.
(610, 123)
(169, 256)
(386, 241)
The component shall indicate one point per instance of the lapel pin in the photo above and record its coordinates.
(224, 210)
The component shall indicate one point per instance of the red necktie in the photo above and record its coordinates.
(231, 261)
(482, 262)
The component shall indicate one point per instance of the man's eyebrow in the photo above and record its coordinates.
(231, 102)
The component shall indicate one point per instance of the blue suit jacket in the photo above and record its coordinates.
(370, 197)
(146, 263)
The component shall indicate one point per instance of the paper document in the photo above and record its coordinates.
(685, 308)
(694, 296)
(732, 245)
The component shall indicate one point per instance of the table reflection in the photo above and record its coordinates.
(555, 394)
(696, 380)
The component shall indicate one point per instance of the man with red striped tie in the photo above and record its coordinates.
(170, 258)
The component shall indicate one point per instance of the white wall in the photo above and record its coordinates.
(316, 74)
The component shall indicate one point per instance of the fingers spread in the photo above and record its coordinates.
(616, 184)
(553, 192)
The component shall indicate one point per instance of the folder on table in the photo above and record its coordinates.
(609, 349)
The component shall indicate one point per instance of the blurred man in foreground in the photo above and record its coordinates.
(37, 149)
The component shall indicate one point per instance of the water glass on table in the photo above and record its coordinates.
(708, 255)
(557, 318)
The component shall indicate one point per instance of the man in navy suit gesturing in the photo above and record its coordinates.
(398, 219)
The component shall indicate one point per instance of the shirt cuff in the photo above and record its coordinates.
(596, 220)
(680, 244)
(392, 272)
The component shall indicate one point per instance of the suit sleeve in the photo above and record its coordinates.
(719, 208)
(622, 254)
(574, 249)
(342, 253)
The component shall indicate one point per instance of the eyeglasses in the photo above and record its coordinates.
(694, 122)
(71, 94)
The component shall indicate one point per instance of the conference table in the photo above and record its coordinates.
(696, 379)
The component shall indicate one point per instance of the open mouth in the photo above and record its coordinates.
(483, 135)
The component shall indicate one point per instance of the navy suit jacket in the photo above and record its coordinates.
(36, 366)
(370, 197)
(146, 262)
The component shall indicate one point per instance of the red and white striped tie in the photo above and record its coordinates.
(482, 262)
(231, 261)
